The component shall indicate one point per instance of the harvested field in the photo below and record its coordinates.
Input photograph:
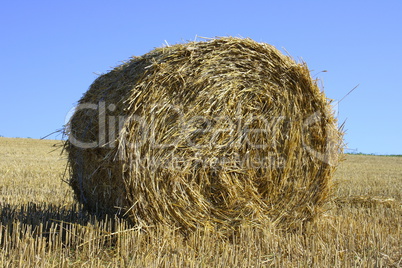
(42, 226)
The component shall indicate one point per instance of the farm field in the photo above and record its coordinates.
(42, 226)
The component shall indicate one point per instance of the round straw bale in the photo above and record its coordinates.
(205, 134)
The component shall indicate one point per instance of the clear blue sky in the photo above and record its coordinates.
(50, 50)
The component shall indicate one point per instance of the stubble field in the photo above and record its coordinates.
(42, 226)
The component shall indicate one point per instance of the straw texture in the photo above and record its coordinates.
(205, 135)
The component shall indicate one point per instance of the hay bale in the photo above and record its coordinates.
(205, 134)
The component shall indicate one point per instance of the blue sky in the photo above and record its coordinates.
(51, 50)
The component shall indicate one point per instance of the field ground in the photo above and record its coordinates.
(41, 226)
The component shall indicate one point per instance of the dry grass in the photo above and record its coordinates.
(41, 226)
(217, 134)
